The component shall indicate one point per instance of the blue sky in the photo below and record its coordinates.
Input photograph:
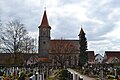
(99, 19)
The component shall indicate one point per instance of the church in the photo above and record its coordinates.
(53, 52)
(60, 52)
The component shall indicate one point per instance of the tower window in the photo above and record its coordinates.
(44, 42)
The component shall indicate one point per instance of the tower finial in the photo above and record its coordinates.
(45, 8)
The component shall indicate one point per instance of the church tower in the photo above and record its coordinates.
(44, 36)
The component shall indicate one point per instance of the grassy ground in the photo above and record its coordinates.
(54, 75)
(60, 74)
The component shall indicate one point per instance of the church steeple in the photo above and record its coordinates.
(44, 36)
(44, 22)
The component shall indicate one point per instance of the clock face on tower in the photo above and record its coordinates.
(44, 29)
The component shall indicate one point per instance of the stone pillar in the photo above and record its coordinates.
(101, 74)
(0, 77)
(37, 76)
(47, 72)
(78, 77)
(115, 72)
(32, 77)
(50, 72)
(40, 70)
(74, 76)
(41, 77)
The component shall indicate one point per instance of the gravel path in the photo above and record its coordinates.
(87, 78)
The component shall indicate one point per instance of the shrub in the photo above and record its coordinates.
(110, 77)
(62, 78)
(30, 74)
(50, 79)
(63, 75)
(22, 76)
(1, 73)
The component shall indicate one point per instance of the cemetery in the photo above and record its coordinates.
(37, 73)
(25, 58)
(24, 73)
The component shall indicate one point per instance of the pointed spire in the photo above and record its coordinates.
(44, 20)
(81, 32)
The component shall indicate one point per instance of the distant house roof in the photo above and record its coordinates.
(113, 60)
(98, 55)
(91, 56)
(110, 55)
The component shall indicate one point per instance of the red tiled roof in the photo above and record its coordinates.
(55, 43)
(91, 56)
(64, 46)
(43, 60)
(112, 54)
(44, 22)
(110, 59)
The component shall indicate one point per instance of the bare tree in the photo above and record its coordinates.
(15, 40)
(29, 45)
(62, 50)
(14, 35)
(1, 32)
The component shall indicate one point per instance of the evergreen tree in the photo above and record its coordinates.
(83, 57)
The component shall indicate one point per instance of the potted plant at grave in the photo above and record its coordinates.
(7, 78)
(22, 76)
(27, 76)
(3, 76)
(30, 74)
(1, 73)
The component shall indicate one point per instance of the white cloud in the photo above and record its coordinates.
(114, 15)
(100, 19)
(115, 34)
(33, 34)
